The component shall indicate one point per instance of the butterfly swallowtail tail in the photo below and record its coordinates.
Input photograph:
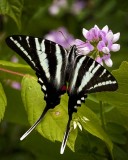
(54, 67)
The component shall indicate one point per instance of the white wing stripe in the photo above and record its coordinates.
(22, 49)
(42, 57)
(40, 80)
(104, 71)
(27, 39)
(86, 78)
(102, 84)
(59, 64)
(96, 68)
(38, 47)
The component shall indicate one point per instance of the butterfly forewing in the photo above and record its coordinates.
(47, 58)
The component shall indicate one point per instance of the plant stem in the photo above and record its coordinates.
(102, 115)
(12, 72)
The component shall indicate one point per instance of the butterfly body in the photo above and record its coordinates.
(59, 71)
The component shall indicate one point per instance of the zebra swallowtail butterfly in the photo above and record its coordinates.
(55, 67)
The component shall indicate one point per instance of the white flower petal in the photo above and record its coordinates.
(85, 50)
(109, 36)
(102, 63)
(115, 47)
(98, 59)
(54, 10)
(116, 37)
(74, 125)
(95, 26)
(79, 42)
(50, 37)
(79, 125)
(85, 118)
(85, 31)
(108, 62)
(105, 50)
(105, 29)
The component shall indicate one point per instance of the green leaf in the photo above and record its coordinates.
(13, 9)
(3, 102)
(58, 115)
(116, 115)
(15, 105)
(117, 133)
(54, 123)
(119, 98)
(13, 70)
(93, 125)
(119, 153)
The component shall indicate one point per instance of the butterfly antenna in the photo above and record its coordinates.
(34, 125)
(63, 145)
(66, 39)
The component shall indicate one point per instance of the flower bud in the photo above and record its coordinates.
(108, 62)
(115, 47)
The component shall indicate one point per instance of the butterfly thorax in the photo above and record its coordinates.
(71, 59)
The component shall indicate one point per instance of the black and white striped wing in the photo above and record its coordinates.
(87, 76)
(47, 58)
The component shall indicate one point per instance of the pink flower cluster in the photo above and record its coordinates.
(99, 43)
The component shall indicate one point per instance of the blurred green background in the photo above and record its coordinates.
(38, 18)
